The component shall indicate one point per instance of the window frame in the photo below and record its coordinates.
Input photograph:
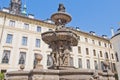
(12, 23)
(9, 38)
(6, 52)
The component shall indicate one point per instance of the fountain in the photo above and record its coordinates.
(60, 41)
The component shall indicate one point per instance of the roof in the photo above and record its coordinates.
(117, 33)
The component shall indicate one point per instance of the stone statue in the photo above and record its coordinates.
(61, 8)
(54, 56)
(64, 57)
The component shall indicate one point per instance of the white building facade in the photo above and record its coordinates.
(115, 40)
(20, 41)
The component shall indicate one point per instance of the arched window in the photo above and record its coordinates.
(6, 56)
(22, 57)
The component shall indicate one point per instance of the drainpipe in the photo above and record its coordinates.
(2, 29)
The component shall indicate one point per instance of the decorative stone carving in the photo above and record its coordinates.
(95, 75)
(61, 8)
(61, 39)
(22, 67)
(38, 65)
(106, 64)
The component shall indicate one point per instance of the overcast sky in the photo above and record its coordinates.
(88, 15)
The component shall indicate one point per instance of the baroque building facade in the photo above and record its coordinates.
(20, 42)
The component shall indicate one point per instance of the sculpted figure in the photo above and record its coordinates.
(61, 8)
(64, 57)
(55, 57)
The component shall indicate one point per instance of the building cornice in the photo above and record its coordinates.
(89, 35)
(44, 24)
(26, 19)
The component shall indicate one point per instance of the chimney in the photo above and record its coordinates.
(112, 31)
(5, 10)
(92, 33)
(104, 36)
(31, 16)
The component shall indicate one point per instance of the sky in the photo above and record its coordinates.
(89, 15)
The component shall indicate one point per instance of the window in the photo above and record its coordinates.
(101, 54)
(102, 65)
(106, 55)
(105, 44)
(26, 26)
(86, 40)
(9, 38)
(116, 55)
(71, 61)
(22, 58)
(37, 43)
(87, 51)
(114, 67)
(49, 60)
(24, 41)
(93, 41)
(35, 60)
(79, 49)
(88, 64)
(38, 29)
(94, 52)
(12, 23)
(99, 43)
(112, 56)
(96, 65)
(79, 62)
(6, 56)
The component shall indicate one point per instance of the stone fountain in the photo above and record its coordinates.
(60, 41)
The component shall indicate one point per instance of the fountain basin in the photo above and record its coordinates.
(52, 36)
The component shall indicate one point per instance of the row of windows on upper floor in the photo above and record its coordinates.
(107, 56)
(100, 43)
(38, 29)
(22, 60)
(24, 40)
(26, 26)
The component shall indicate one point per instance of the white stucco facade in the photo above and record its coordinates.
(86, 40)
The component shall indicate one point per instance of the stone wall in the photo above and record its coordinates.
(72, 74)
